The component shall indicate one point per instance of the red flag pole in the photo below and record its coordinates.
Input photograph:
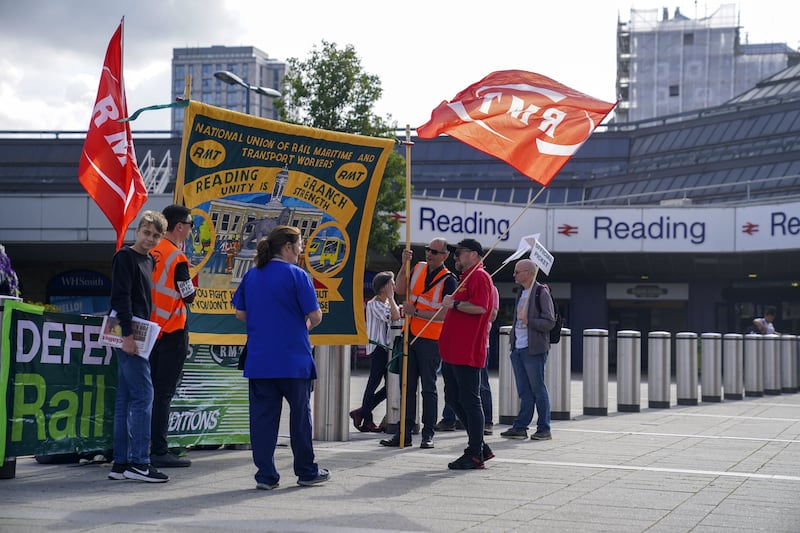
(107, 168)
(485, 255)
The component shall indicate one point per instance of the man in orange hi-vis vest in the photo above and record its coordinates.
(172, 290)
(430, 282)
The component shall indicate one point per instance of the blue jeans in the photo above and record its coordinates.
(529, 376)
(132, 409)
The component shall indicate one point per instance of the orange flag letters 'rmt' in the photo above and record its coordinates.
(531, 122)
(108, 169)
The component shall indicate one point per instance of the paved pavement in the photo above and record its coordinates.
(715, 467)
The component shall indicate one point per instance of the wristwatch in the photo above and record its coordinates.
(456, 303)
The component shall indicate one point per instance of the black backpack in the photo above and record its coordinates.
(555, 333)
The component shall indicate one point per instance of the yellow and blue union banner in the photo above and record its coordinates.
(241, 176)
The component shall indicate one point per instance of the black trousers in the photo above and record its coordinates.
(462, 393)
(166, 364)
(377, 373)
(423, 361)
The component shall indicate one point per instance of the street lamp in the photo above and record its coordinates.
(232, 79)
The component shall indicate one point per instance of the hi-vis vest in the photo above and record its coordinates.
(430, 300)
(169, 311)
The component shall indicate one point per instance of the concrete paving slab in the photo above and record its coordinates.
(729, 466)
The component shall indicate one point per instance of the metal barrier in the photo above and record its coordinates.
(711, 367)
(753, 367)
(733, 366)
(772, 364)
(595, 372)
(558, 376)
(659, 369)
(686, 367)
(393, 396)
(509, 399)
(629, 371)
(332, 393)
(788, 345)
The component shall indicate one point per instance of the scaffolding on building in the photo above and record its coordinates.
(668, 65)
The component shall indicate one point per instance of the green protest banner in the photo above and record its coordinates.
(58, 385)
(241, 176)
(210, 405)
(61, 383)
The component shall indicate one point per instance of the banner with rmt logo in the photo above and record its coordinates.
(58, 385)
(241, 176)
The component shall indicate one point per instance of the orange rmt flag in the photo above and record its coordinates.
(108, 169)
(530, 121)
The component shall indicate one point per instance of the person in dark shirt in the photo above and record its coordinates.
(131, 287)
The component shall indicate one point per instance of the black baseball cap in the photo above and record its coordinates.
(470, 244)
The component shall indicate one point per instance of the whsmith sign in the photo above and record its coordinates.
(624, 229)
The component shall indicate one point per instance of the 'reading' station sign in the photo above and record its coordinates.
(625, 229)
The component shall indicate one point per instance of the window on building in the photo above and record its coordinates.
(674, 90)
(502, 195)
(688, 39)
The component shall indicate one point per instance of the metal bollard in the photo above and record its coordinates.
(711, 367)
(753, 368)
(8, 470)
(629, 371)
(393, 396)
(595, 372)
(686, 367)
(659, 368)
(733, 366)
(789, 363)
(509, 399)
(772, 364)
(332, 393)
(558, 376)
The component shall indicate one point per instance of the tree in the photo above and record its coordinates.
(330, 91)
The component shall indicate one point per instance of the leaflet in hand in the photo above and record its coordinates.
(145, 333)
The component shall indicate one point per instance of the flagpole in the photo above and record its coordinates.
(500, 238)
(187, 94)
(407, 265)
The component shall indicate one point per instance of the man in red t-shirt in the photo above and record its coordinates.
(462, 346)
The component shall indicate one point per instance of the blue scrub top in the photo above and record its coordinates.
(277, 299)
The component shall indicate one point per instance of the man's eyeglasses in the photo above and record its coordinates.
(189, 222)
(434, 252)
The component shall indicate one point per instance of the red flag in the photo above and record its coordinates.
(531, 122)
(108, 169)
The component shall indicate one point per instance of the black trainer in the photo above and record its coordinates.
(323, 475)
(467, 462)
(487, 453)
(443, 425)
(145, 473)
(169, 460)
(118, 471)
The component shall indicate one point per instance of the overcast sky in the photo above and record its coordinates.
(51, 51)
